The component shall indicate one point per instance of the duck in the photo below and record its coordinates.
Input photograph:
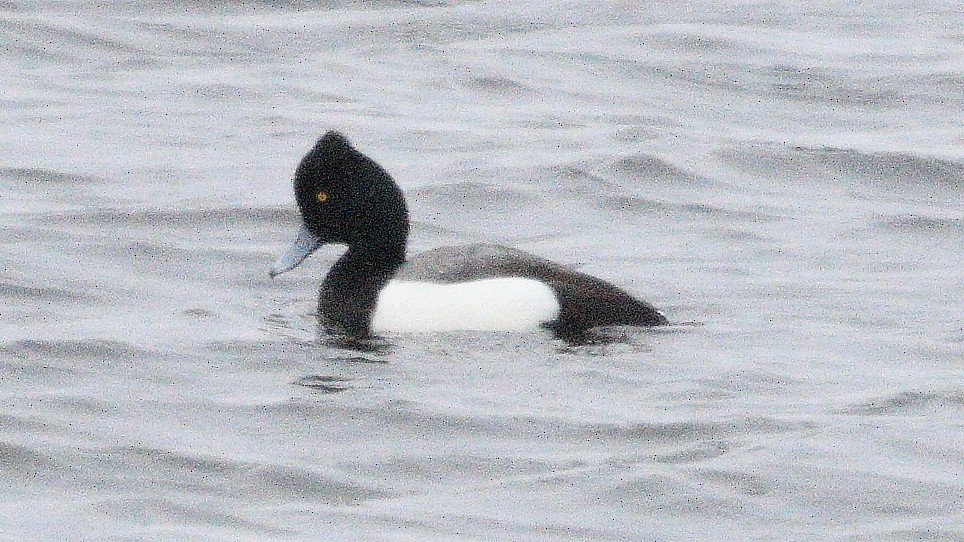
(374, 289)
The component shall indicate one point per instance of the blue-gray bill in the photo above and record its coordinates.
(304, 244)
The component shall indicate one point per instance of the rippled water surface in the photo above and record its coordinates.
(785, 180)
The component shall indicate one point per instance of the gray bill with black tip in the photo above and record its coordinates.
(302, 247)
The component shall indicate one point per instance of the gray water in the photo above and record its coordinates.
(785, 180)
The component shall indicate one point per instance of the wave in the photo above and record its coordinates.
(24, 464)
(73, 349)
(198, 472)
(648, 185)
(909, 403)
(173, 510)
(214, 217)
(47, 294)
(887, 167)
(34, 178)
(918, 224)
(834, 163)
(470, 196)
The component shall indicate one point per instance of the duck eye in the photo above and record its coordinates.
(322, 196)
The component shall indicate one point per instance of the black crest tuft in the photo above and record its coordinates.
(333, 141)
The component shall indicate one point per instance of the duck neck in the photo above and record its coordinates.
(369, 261)
(350, 290)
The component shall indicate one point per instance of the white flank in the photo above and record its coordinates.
(501, 304)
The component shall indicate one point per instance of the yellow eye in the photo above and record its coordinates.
(322, 196)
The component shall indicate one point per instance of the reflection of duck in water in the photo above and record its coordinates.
(346, 198)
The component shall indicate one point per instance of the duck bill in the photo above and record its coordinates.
(304, 244)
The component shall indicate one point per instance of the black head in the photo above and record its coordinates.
(345, 197)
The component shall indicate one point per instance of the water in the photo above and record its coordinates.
(784, 180)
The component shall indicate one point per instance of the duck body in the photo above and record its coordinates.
(346, 198)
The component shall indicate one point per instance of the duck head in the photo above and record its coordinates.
(345, 198)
